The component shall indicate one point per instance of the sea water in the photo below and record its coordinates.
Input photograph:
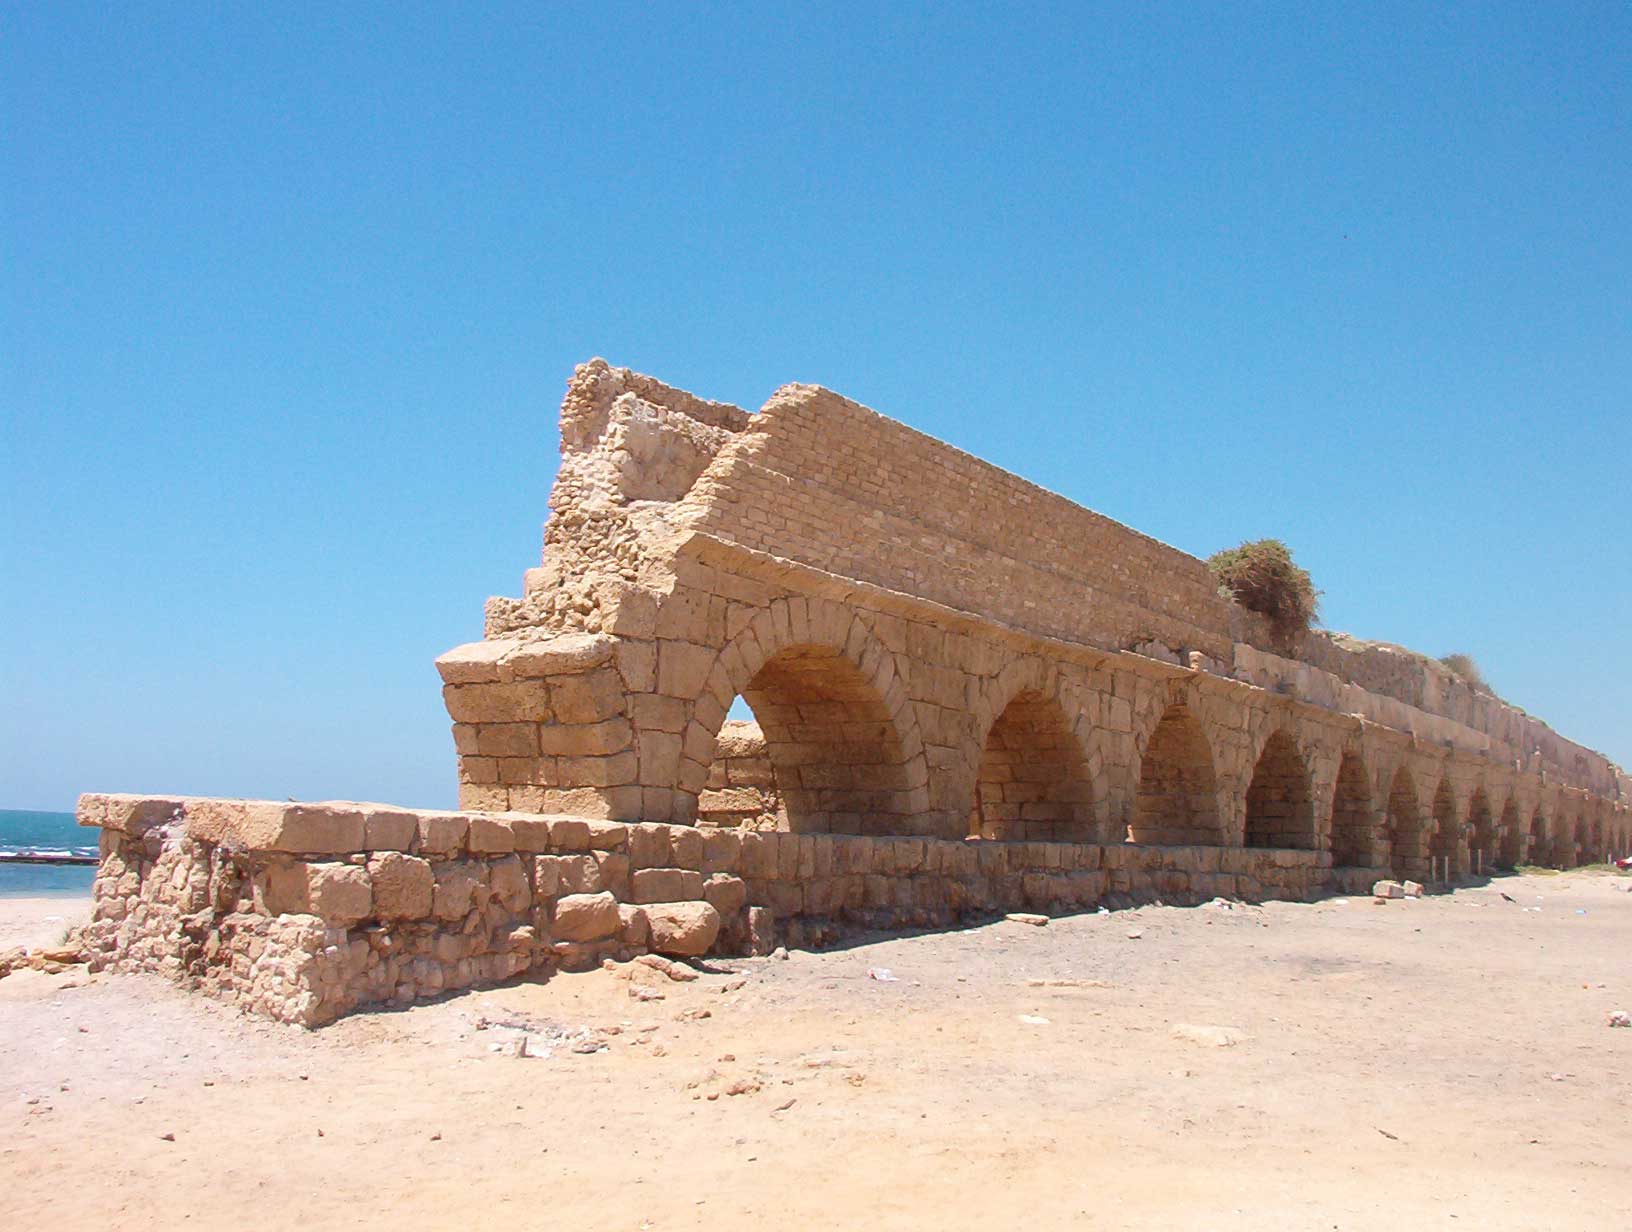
(22, 829)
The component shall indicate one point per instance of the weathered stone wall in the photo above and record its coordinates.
(931, 647)
(305, 912)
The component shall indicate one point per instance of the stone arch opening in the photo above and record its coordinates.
(1280, 809)
(1512, 837)
(1177, 802)
(1581, 853)
(1538, 852)
(1443, 844)
(1032, 781)
(837, 762)
(1563, 845)
(1404, 826)
(1351, 815)
(1481, 833)
(1596, 851)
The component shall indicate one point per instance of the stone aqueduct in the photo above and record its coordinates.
(972, 696)
(934, 647)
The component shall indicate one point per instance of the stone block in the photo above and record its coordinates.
(530, 834)
(579, 874)
(456, 886)
(728, 894)
(569, 834)
(282, 888)
(315, 829)
(522, 701)
(580, 740)
(442, 834)
(685, 847)
(585, 917)
(1388, 889)
(490, 836)
(721, 850)
(565, 655)
(663, 885)
(608, 835)
(403, 886)
(474, 662)
(341, 894)
(633, 928)
(507, 739)
(682, 668)
(507, 882)
(389, 830)
(686, 930)
(649, 845)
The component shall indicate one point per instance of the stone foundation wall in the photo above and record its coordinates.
(306, 912)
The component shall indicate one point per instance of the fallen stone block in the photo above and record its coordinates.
(1388, 889)
(684, 929)
(586, 917)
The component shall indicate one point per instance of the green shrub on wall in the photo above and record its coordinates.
(1262, 576)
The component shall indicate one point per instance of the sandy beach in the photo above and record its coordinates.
(1444, 1063)
(37, 923)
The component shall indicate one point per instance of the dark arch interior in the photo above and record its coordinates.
(1177, 804)
(1280, 812)
(1351, 815)
(1032, 782)
(1443, 846)
(834, 753)
(1404, 825)
(1481, 833)
(1512, 836)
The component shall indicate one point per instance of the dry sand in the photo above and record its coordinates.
(1435, 1064)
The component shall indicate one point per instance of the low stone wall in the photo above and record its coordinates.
(305, 912)
(741, 789)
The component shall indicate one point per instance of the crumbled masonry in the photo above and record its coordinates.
(971, 697)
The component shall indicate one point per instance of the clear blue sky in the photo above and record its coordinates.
(290, 295)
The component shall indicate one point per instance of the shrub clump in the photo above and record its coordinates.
(1262, 577)
(1465, 669)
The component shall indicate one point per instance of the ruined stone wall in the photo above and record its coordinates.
(970, 694)
(306, 912)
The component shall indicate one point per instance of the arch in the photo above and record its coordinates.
(1539, 852)
(1596, 852)
(1511, 843)
(1403, 826)
(1444, 837)
(1280, 810)
(1582, 852)
(1352, 828)
(1032, 780)
(841, 738)
(1481, 831)
(1177, 801)
(1563, 845)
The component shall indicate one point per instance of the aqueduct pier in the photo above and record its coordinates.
(971, 695)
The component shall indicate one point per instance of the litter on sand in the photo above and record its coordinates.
(883, 975)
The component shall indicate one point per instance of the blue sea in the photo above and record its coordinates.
(21, 830)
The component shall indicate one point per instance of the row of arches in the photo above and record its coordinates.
(847, 756)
